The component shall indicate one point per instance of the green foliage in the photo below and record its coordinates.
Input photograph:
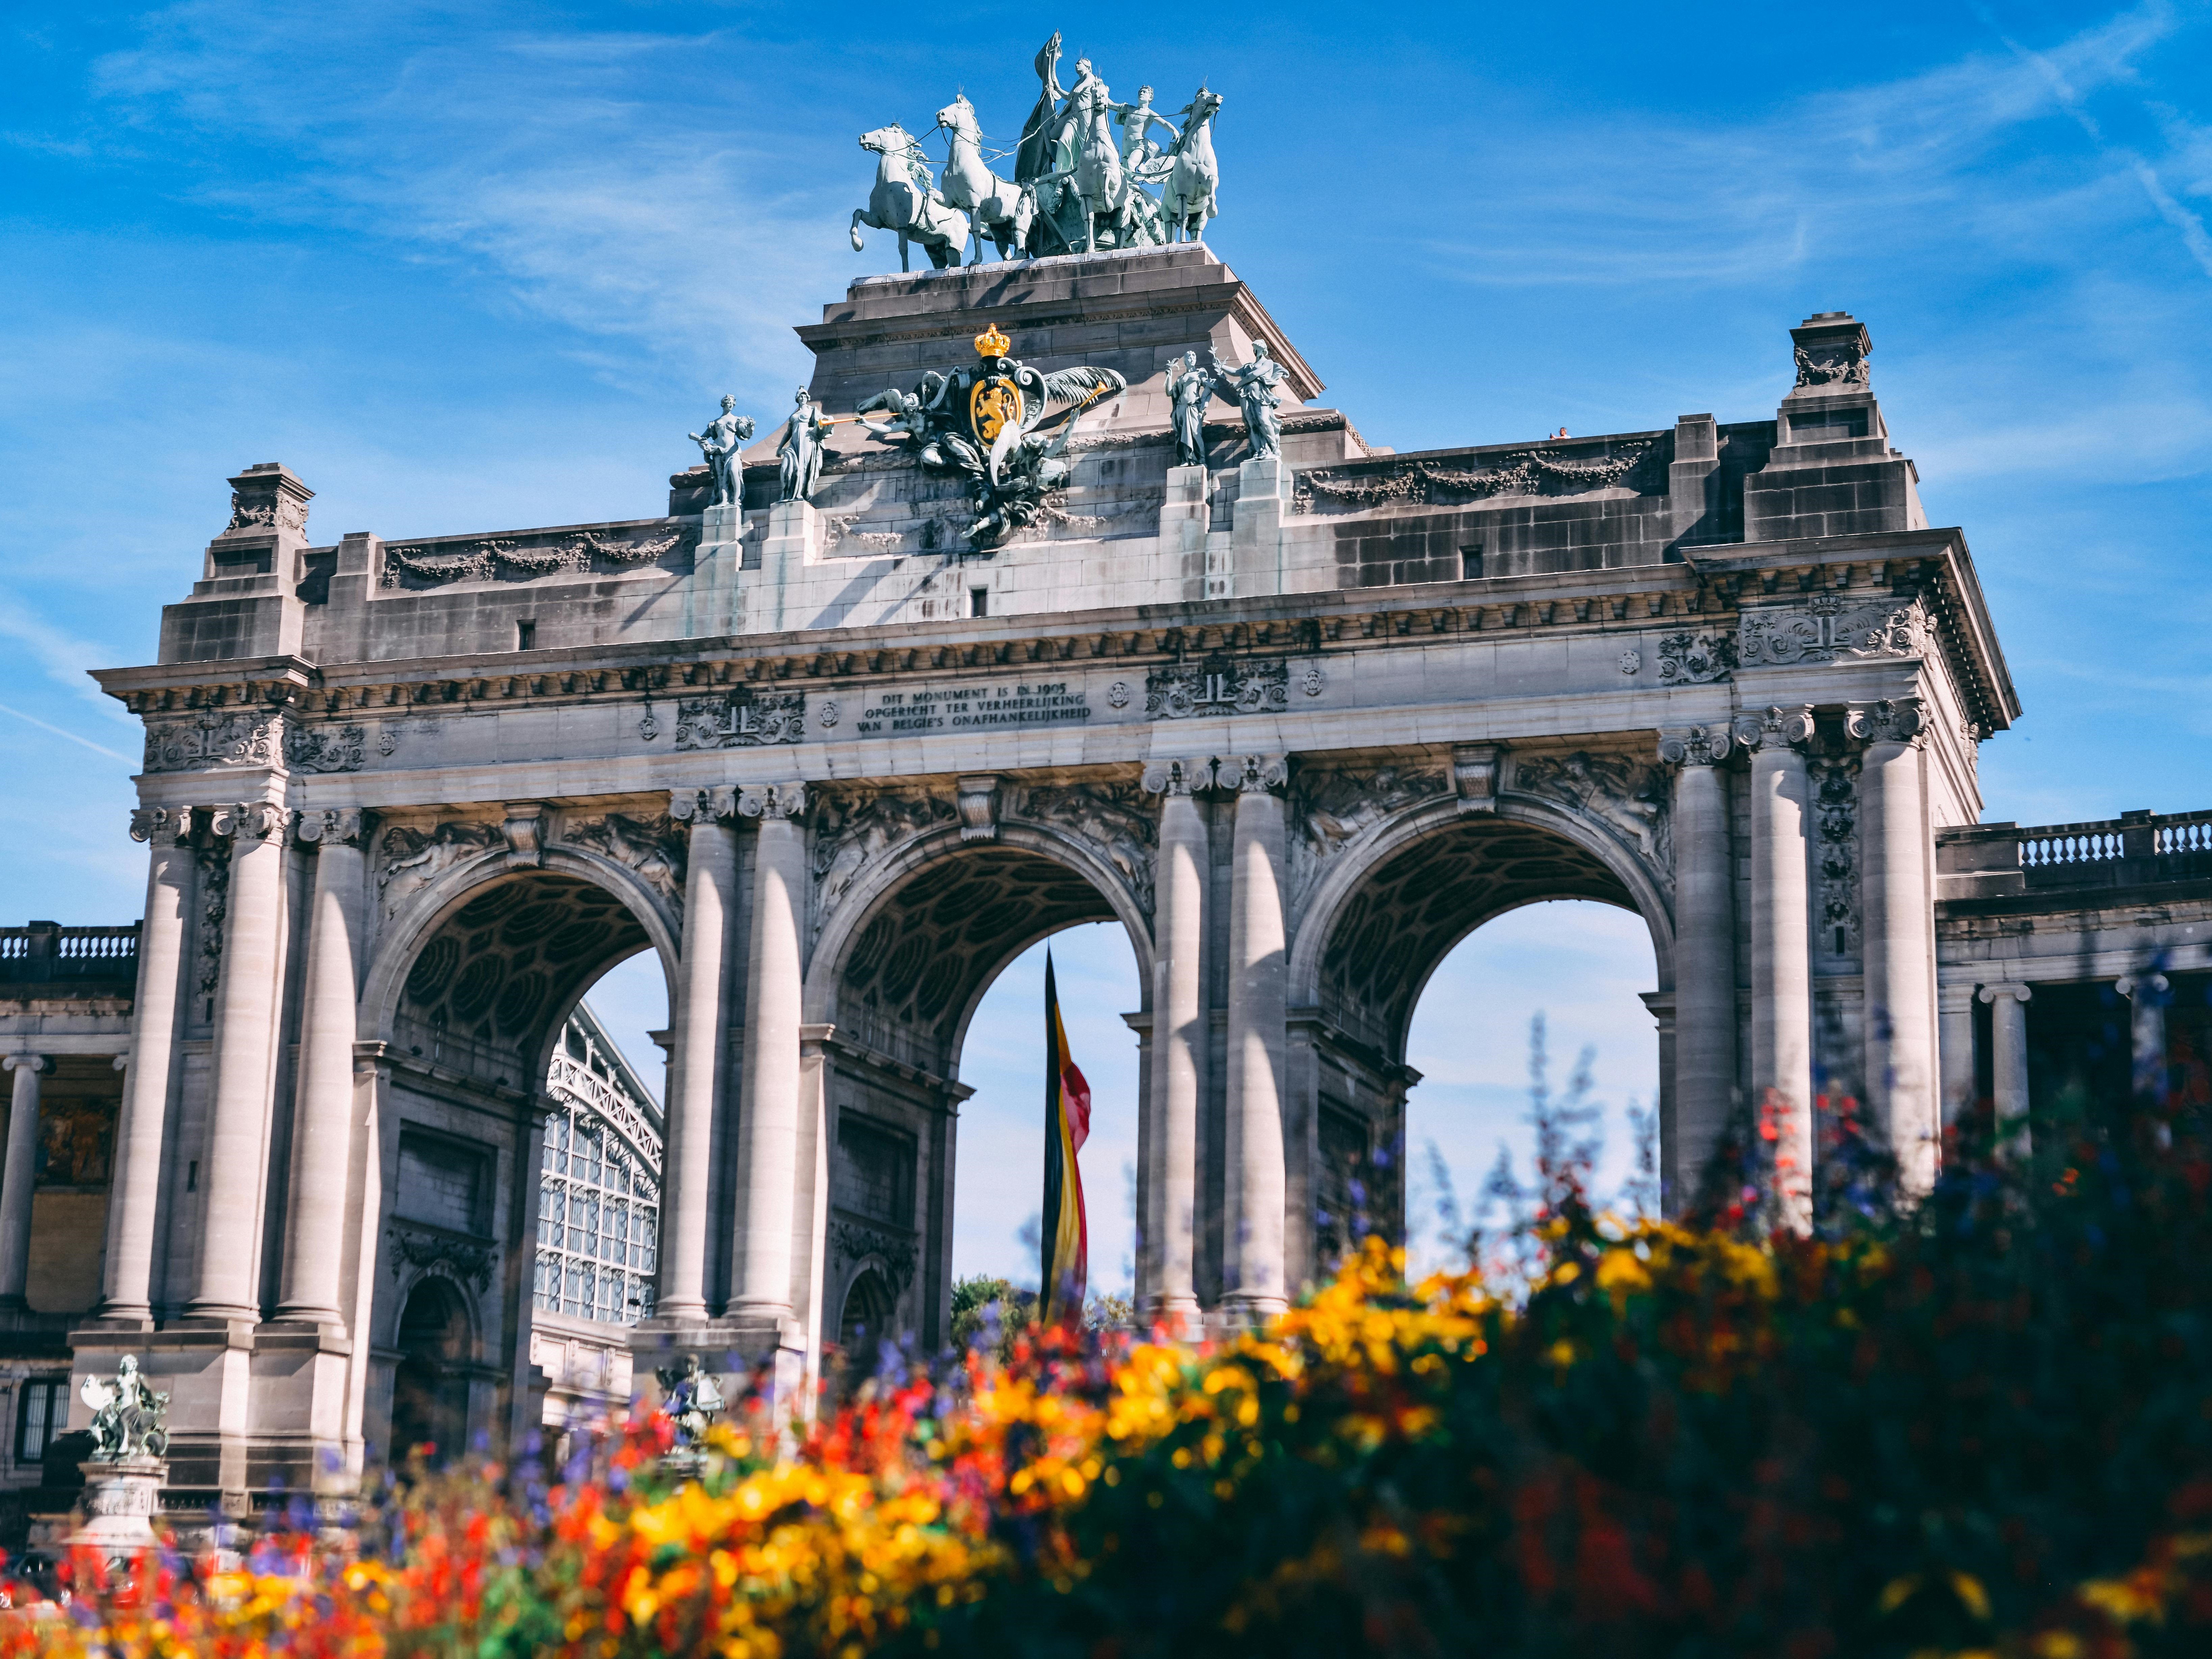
(992, 1312)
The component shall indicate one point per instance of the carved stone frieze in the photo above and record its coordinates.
(484, 560)
(215, 738)
(1829, 628)
(653, 848)
(420, 1247)
(740, 719)
(1219, 684)
(1837, 365)
(855, 828)
(1835, 820)
(325, 748)
(1628, 796)
(1696, 659)
(1109, 818)
(1332, 808)
(1429, 484)
(412, 857)
(851, 1242)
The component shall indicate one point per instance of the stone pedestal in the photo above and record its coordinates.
(1263, 493)
(120, 1501)
(794, 542)
(1185, 517)
(716, 601)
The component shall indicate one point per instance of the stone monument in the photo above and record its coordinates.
(126, 1474)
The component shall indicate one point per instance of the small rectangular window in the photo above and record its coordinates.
(979, 601)
(1470, 561)
(41, 1414)
(525, 637)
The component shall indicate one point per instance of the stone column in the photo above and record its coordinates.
(1179, 1041)
(768, 1116)
(1781, 1080)
(2147, 993)
(2008, 1057)
(128, 1291)
(1895, 900)
(17, 1176)
(1258, 1040)
(700, 1032)
(1955, 1028)
(322, 1124)
(1704, 963)
(246, 1016)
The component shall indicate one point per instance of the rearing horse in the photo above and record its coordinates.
(1189, 200)
(1002, 212)
(904, 201)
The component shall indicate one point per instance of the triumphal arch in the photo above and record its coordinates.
(1060, 596)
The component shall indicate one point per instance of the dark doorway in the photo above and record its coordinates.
(430, 1387)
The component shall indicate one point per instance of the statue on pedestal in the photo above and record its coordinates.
(129, 1420)
(722, 443)
(799, 451)
(1254, 385)
(1191, 389)
(692, 1400)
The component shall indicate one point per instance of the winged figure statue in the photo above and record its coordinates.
(1000, 424)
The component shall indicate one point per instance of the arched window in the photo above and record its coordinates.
(599, 1202)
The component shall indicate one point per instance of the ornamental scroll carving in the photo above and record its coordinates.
(1696, 659)
(484, 561)
(1220, 684)
(1429, 484)
(412, 858)
(213, 860)
(1107, 817)
(244, 738)
(855, 1243)
(413, 1248)
(1830, 629)
(325, 748)
(1332, 809)
(1835, 818)
(653, 849)
(855, 830)
(740, 720)
(1627, 796)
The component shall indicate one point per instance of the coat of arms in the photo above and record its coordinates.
(1011, 463)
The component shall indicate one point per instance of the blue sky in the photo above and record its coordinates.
(481, 266)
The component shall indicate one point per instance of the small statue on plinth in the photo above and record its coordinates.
(692, 1400)
(1191, 389)
(1254, 385)
(722, 442)
(130, 1421)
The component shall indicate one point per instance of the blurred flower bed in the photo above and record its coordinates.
(1982, 1425)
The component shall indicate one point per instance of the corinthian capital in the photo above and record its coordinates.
(255, 820)
(1255, 775)
(1777, 726)
(1895, 720)
(1700, 745)
(1178, 777)
(772, 801)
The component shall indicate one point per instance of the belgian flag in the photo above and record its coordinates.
(1064, 1244)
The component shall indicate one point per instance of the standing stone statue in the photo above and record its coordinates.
(1191, 388)
(799, 451)
(129, 1420)
(1255, 385)
(722, 441)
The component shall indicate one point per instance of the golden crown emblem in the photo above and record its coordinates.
(992, 343)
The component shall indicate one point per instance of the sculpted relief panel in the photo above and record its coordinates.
(1629, 797)
(854, 828)
(653, 848)
(1831, 628)
(1109, 818)
(1332, 809)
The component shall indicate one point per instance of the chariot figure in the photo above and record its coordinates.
(722, 443)
(799, 451)
(1255, 387)
(1137, 120)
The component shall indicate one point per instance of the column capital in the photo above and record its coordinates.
(165, 826)
(36, 1064)
(1892, 720)
(2151, 986)
(330, 826)
(977, 796)
(713, 806)
(1777, 726)
(1254, 774)
(1994, 993)
(772, 801)
(1697, 745)
(255, 820)
(1178, 777)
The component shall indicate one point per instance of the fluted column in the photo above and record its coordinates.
(1179, 1043)
(1896, 901)
(2008, 1062)
(1781, 951)
(127, 1292)
(1258, 1039)
(2147, 993)
(18, 1175)
(768, 1119)
(245, 1015)
(322, 1120)
(1704, 963)
(702, 1026)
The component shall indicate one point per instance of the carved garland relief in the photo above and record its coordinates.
(1629, 797)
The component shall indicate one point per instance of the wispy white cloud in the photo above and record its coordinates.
(64, 657)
